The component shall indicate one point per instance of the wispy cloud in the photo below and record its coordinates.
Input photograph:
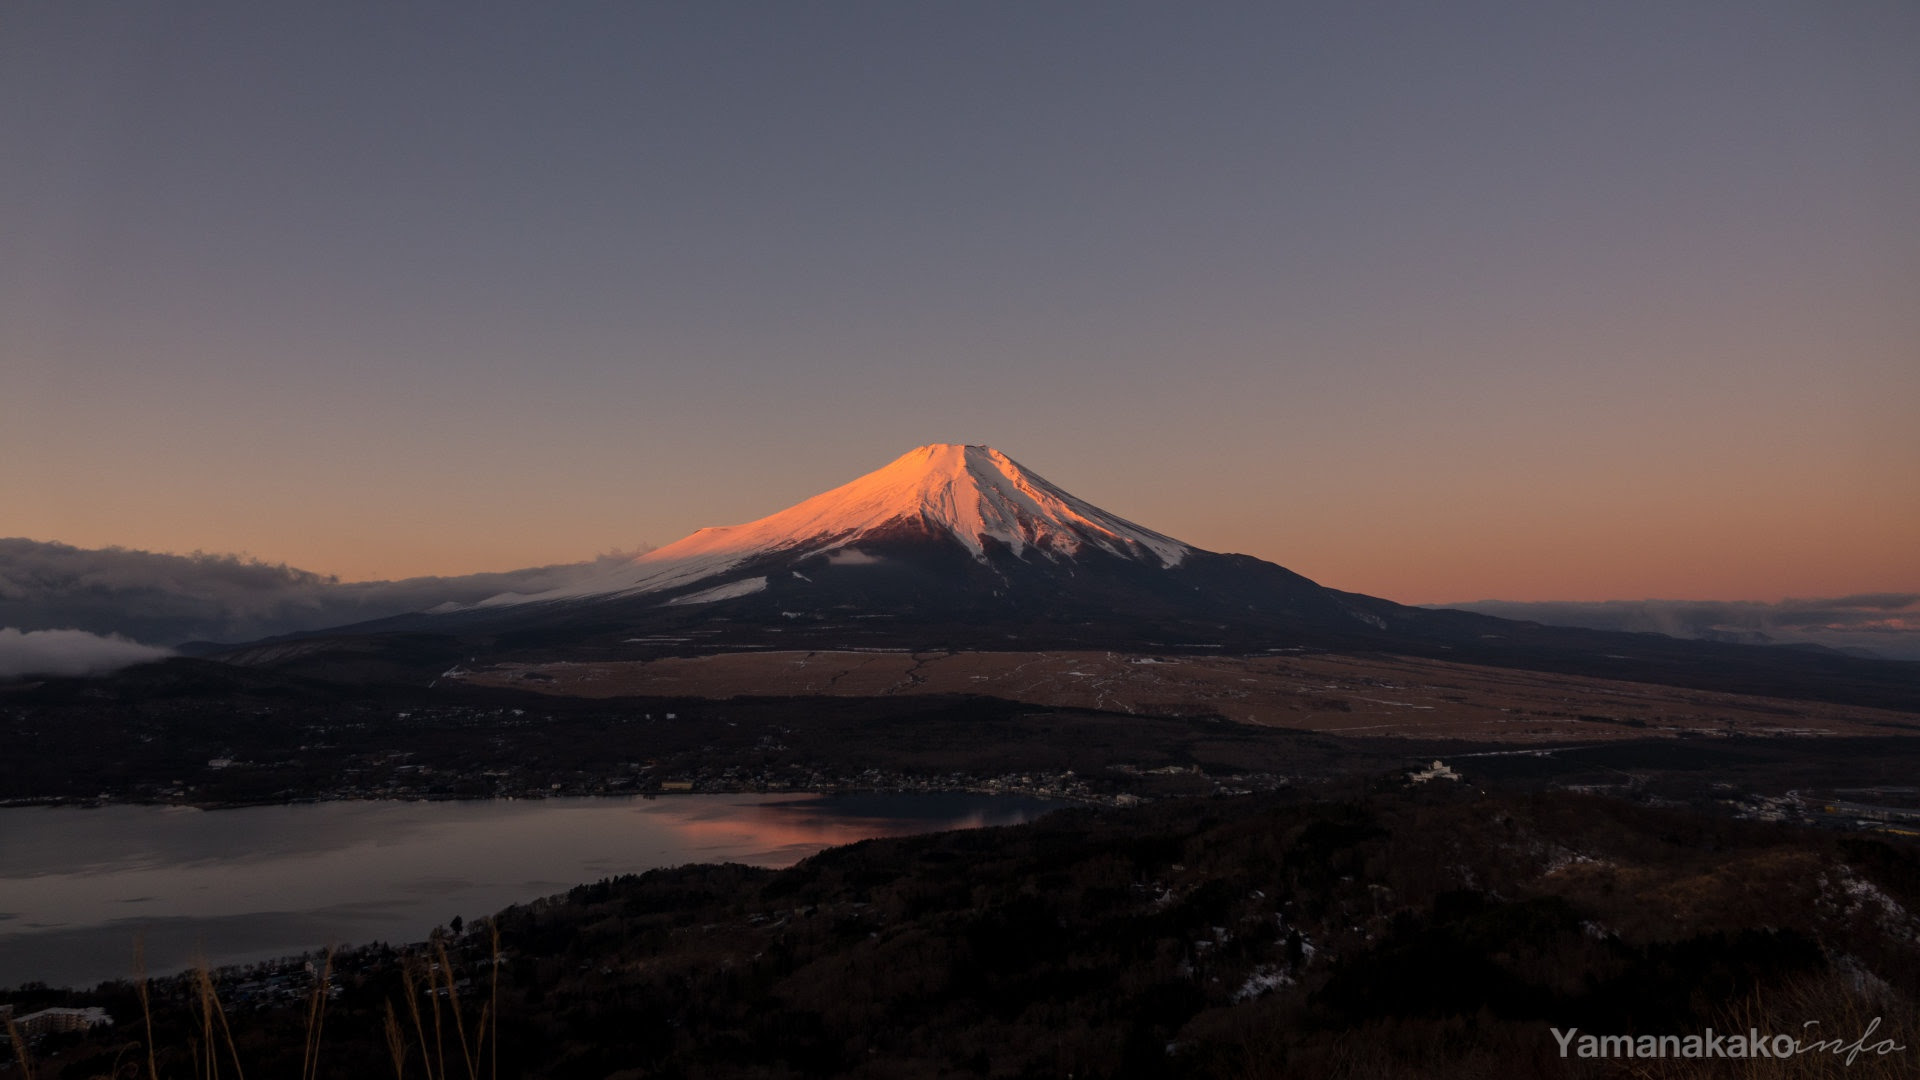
(1885, 624)
(171, 599)
(68, 652)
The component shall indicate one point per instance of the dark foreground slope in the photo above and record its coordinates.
(1396, 933)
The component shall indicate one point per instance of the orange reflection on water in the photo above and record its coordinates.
(776, 833)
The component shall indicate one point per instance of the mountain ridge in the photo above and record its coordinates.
(956, 547)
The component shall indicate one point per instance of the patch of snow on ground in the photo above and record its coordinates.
(1264, 980)
(1560, 858)
(1852, 895)
(743, 587)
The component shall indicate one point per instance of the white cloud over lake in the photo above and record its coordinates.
(68, 652)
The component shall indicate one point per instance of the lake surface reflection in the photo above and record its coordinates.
(78, 887)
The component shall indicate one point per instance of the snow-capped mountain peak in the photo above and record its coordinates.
(973, 493)
(976, 495)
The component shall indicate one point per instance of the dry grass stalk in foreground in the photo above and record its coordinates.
(396, 1042)
(440, 980)
(19, 1044)
(316, 1022)
(210, 1009)
(146, 1002)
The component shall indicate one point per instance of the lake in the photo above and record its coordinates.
(80, 887)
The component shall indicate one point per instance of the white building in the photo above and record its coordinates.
(1439, 771)
(48, 1021)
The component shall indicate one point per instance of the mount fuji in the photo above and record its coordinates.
(944, 534)
(963, 548)
(971, 496)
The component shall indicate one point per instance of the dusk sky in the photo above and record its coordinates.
(1436, 302)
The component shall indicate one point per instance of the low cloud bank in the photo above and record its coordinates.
(68, 652)
(1881, 624)
(172, 599)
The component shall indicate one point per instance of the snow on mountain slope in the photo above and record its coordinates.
(971, 493)
(731, 589)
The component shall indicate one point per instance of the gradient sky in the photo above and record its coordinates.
(1430, 301)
